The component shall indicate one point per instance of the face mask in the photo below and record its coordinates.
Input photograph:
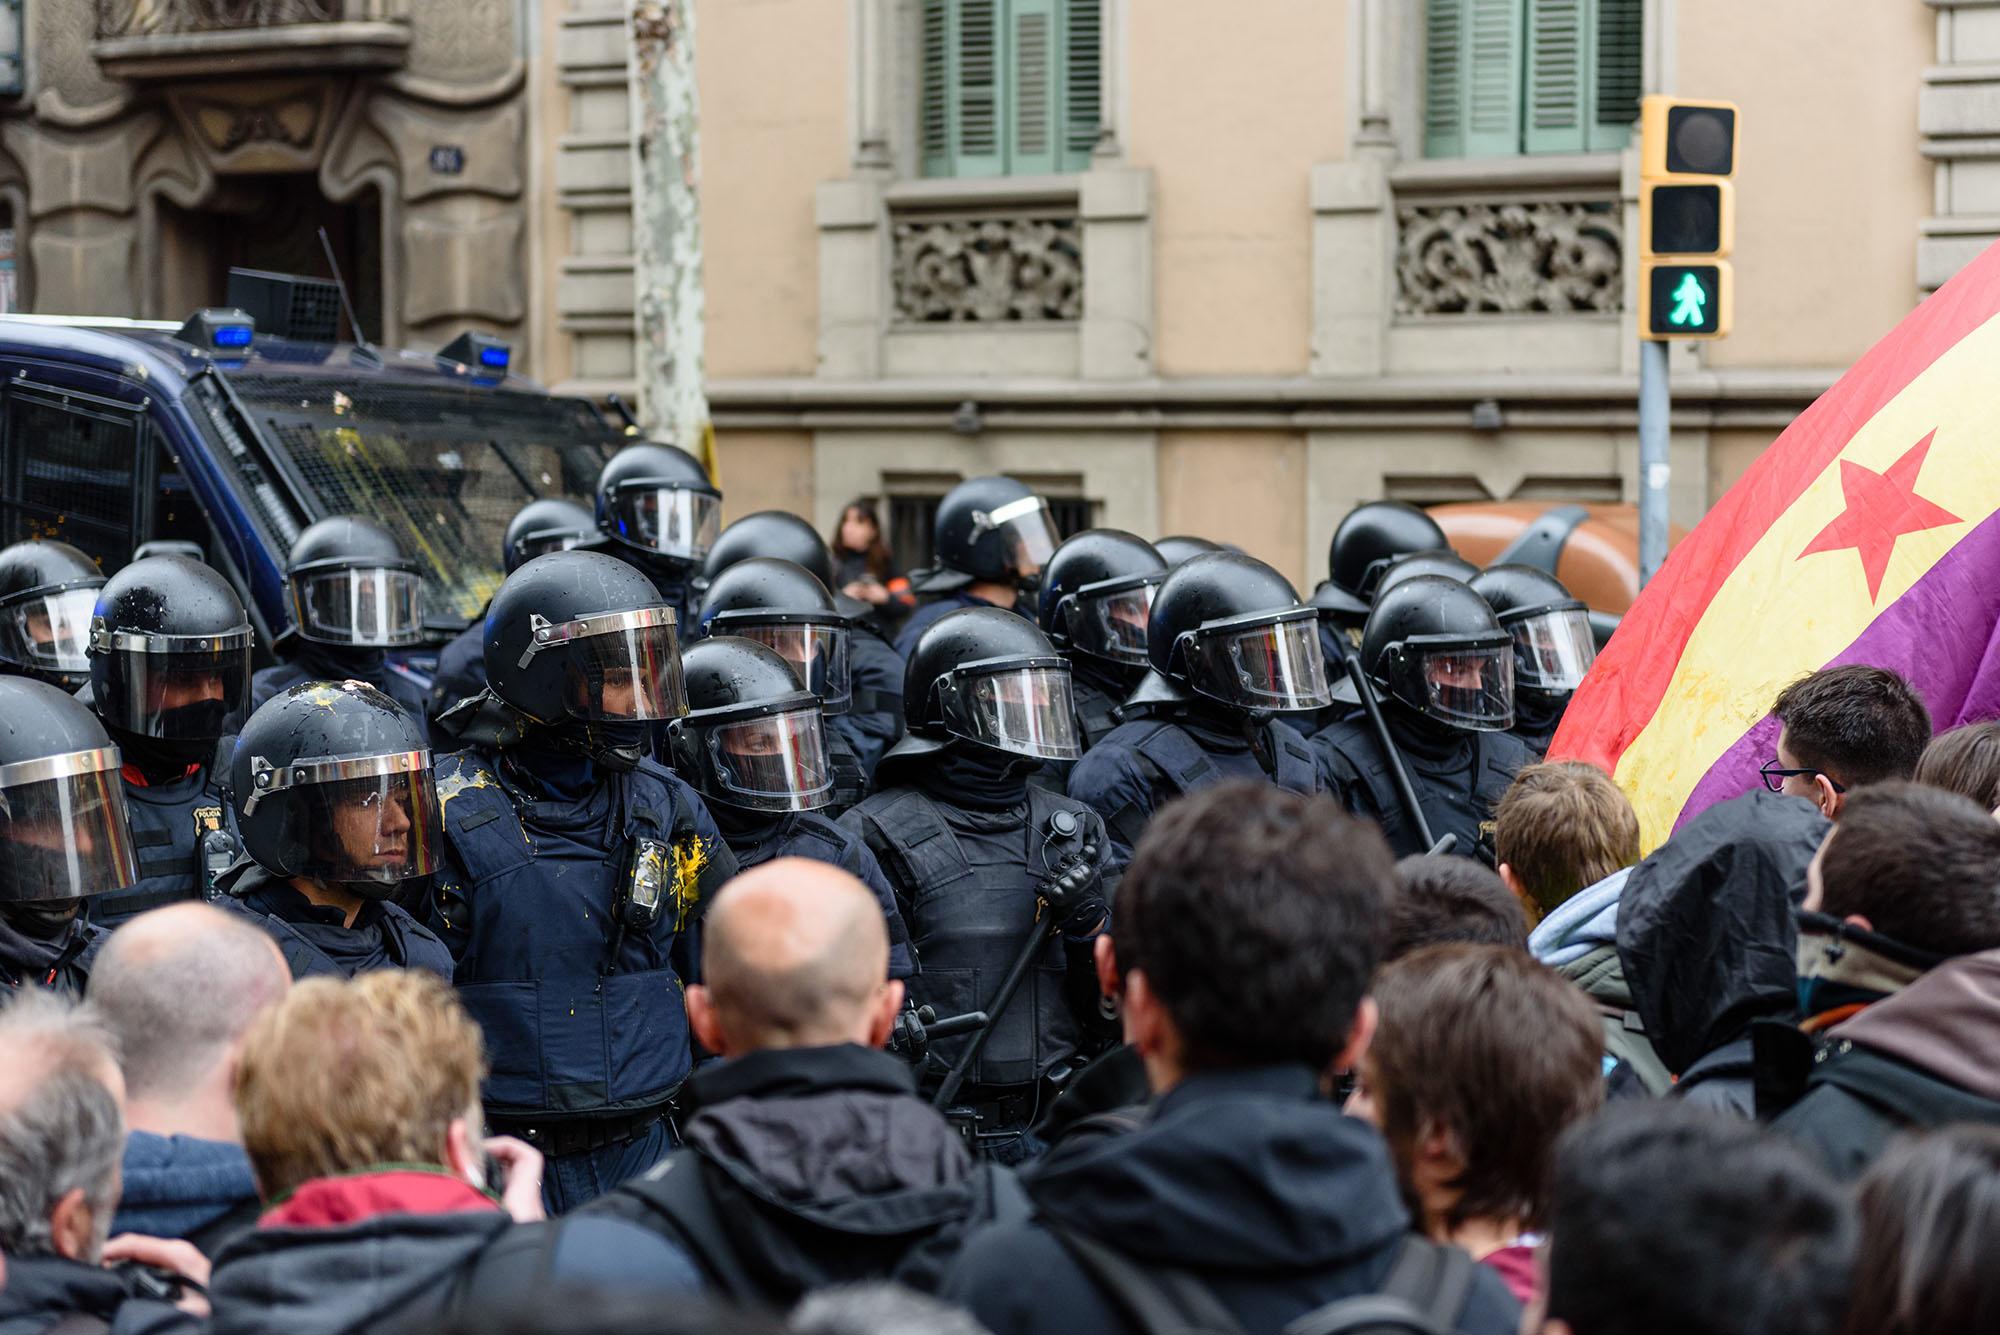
(44, 919)
(617, 745)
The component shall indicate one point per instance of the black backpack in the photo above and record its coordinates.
(1424, 1294)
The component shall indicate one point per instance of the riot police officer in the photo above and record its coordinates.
(1096, 595)
(354, 595)
(1444, 670)
(657, 509)
(1178, 547)
(987, 869)
(1553, 644)
(170, 676)
(753, 744)
(1228, 645)
(990, 539)
(47, 593)
(63, 834)
(1371, 536)
(781, 605)
(332, 787)
(873, 719)
(551, 524)
(576, 869)
(1432, 561)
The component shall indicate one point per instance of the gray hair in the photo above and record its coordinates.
(879, 1309)
(61, 1127)
(180, 990)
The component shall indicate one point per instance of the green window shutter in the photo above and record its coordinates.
(1617, 72)
(1033, 110)
(935, 112)
(1083, 81)
(976, 45)
(1558, 55)
(1492, 59)
(1444, 83)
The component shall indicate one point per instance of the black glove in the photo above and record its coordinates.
(1075, 894)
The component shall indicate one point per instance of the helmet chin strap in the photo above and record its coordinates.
(1256, 732)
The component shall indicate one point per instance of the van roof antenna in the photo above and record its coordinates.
(361, 343)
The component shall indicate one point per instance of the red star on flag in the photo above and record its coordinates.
(1881, 507)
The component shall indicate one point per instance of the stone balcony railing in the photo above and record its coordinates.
(1023, 266)
(174, 39)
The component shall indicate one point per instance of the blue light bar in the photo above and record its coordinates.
(477, 351)
(222, 327)
(233, 336)
(495, 356)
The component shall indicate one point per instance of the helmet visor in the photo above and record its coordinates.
(672, 521)
(528, 546)
(622, 665)
(1276, 665)
(1553, 650)
(49, 632)
(62, 828)
(1029, 532)
(774, 763)
(1025, 710)
(176, 687)
(1113, 625)
(358, 819)
(1469, 687)
(816, 651)
(377, 607)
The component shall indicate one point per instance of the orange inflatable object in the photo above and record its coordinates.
(1599, 561)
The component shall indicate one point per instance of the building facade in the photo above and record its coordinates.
(1187, 267)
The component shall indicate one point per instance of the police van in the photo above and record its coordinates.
(232, 435)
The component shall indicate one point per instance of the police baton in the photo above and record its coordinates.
(1404, 789)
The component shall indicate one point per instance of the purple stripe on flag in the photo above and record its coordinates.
(1943, 635)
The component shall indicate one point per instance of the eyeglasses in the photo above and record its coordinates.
(1775, 776)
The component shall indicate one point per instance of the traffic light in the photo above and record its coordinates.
(1687, 217)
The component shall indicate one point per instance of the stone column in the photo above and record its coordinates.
(874, 61)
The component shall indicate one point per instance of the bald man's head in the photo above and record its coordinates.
(794, 954)
(179, 987)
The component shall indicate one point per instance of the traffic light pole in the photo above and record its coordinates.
(1655, 408)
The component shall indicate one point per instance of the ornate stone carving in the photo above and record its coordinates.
(1518, 257)
(987, 270)
(139, 18)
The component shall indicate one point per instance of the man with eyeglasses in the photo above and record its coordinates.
(1844, 727)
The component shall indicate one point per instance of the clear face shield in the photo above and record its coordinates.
(377, 608)
(817, 651)
(1029, 532)
(356, 821)
(1553, 649)
(1112, 624)
(773, 763)
(672, 521)
(531, 545)
(174, 687)
(1273, 664)
(1022, 708)
(62, 828)
(620, 666)
(1467, 686)
(49, 632)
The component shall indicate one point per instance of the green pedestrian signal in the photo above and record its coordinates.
(1689, 300)
(1684, 300)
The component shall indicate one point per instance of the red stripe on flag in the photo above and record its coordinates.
(1628, 681)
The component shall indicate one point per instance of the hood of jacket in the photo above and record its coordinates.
(1580, 924)
(1945, 1023)
(1242, 1171)
(1706, 927)
(173, 1185)
(43, 1289)
(350, 1254)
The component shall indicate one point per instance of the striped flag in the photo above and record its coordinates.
(1869, 532)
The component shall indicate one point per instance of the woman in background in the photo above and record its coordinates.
(865, 568)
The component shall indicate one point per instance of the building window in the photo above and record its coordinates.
(1530, 76)
(1010, 87)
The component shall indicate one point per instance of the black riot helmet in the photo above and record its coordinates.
(62, 806)
(753, 738)
(774, 533)
(658, 499)
(991, 678)
(332, 783)
(1228, 627)
(351, 584)
(1097, 593)
(48, 591)
(782, 605)
(1372, 535)
(583, 637)
(170, 655)
(990, 530)
(1553, 643)
(551, 524)
(1178, 547)
(1435, 561)
(1434, 645)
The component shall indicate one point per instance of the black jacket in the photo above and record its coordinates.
(811, 1167)
(1249, 1180)
(316, 940)
(42, 1290)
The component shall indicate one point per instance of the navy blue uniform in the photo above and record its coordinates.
(1142, 765)
(461, 669)
(168, 821)
(311, 662)
(585, 1024)
(758, 839)
(1458, 778)
(60, 961)
(874, 719)
(921, 619)
(315, 938)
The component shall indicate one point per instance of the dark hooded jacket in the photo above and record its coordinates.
(396, 1250)
(1918, 1059)
(316, 940)
(1250, 1181)
(1706, 933)
(42, 1290)
(810, 1167)
(60, 962)
(185, 1187)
